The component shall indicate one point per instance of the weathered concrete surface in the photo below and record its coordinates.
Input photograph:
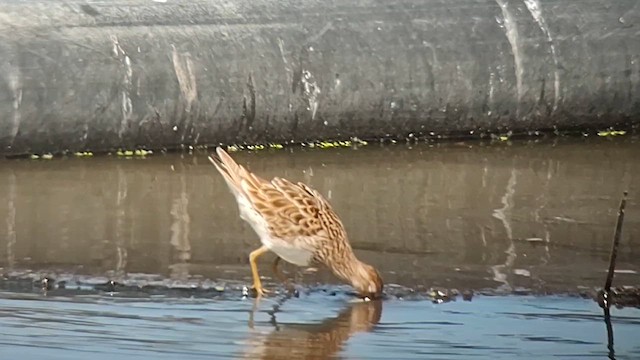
(100, 75)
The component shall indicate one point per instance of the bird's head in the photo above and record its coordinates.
(367, 281)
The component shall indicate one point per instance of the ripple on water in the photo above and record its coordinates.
(314, 325)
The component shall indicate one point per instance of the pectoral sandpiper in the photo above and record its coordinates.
(296, 223)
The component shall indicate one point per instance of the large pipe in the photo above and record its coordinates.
(99, 75)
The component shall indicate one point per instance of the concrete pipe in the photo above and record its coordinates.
(101, 75)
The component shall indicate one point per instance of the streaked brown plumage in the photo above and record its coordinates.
(297, 223)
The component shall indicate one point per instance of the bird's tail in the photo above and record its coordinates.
(233, 174)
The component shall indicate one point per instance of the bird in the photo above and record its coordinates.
(296, 223)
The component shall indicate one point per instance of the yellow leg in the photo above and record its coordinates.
(257, 285)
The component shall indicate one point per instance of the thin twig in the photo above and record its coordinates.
(614, 246)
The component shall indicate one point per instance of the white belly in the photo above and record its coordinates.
(288, 252)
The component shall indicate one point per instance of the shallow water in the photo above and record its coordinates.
(313, 326)
(533, 216)
(493, 219)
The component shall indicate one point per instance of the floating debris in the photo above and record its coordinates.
(131, 153)
(611, 132)
(358, 141)
(328, 144)
(109, 286)
(47, 156)
(83, 153)
(439, 295)
(625, 296)
(144, 286)
(142, 152)
(47, 283)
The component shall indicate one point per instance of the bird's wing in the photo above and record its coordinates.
(293, 211)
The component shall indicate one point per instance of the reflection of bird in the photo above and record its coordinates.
(315, 341)
(297, 223)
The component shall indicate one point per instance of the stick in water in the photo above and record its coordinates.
(616, 239)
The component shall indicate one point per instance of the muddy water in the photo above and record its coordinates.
(501, 219)
(535, 216)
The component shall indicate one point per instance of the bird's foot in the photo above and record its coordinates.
(259, 291)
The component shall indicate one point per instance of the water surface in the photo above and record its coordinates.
(535, 216)
(314, 326)
(147, 258)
